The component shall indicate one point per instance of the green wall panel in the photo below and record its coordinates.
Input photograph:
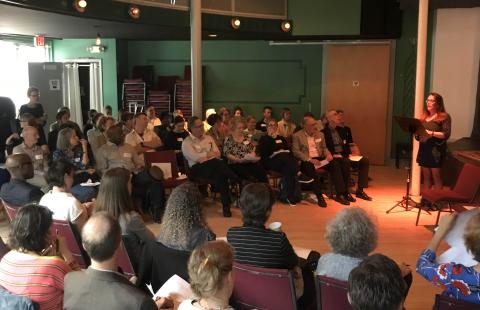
(77, 48)
(317, 17)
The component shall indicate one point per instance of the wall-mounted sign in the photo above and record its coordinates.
(54, 84)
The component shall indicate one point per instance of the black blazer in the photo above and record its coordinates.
(19, 192)
(95, 289)
(268, 145)
(343, 133)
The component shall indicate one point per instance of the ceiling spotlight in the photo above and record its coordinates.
(286, 26)
(134, 12)
(80, 5)
(98, 40)
(235, 22)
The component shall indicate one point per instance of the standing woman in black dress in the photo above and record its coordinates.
(433, 147)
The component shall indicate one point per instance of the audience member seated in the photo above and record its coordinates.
(203, 158)
(59, 199)
(457, 281)
(376, 284)
(336, 140)
(225, 116)
(166, 126)
(36, 154)
(114, 197)
(100, 138)
(208, 112)
(240, 153)
(252, 133)
(116, 153)
(211, 278)
(348, 133)
(142, 138)
(36, 265)
(107, 110)
(310, 148)
(286, 127)
(218, 131)
(256, 245)
(75, 151)
(62, 118)
(276, 156)
(352, 235)
(153, 120)
(18, 192)
(65, 120)
(263, 123)
(94, 133)
(237, 111)
(175, 137)
(15, 138)
(89, 124)
(100, 286)
(183, 224)
(127, 121)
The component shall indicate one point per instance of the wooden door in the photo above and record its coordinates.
(357, 79)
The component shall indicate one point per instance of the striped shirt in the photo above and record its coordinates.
(39, 278)
(261, 247)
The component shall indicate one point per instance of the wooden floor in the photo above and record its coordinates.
(304, 225)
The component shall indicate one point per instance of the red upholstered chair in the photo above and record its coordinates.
(64, 229)
(464, 191)
(263, 288)
(124, 263)
(10, 209)
(165, 157)
(447, 303)
(331, 294)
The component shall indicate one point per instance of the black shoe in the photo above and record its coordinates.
(362, 195)
(349, 197)
(227, 213)
(302, 178)
(342, 200)
(321, 202)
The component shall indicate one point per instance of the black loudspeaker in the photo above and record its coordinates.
(382, 18)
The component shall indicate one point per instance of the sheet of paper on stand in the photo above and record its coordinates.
(176, 289)
(458, 252)
(166, 168)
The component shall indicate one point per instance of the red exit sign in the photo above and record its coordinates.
(39, 40)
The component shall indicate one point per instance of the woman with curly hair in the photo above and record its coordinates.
(211, 279)
(183, 225)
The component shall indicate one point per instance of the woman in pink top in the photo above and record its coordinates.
(37, 264)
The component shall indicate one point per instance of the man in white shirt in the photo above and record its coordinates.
(203, 158)
(153, 120)
(142, 138)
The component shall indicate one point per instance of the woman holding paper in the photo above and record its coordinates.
(433, 147)
(211, 279)
(240, 153)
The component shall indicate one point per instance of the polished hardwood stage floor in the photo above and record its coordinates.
(304, 225)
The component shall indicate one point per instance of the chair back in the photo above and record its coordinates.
(124, 263)
(10, 209)
(164, 157)
(331, 294)
(263, 288)
(64, 229)
(468, 181)
(447, 303)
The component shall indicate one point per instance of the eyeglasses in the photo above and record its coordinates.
(430, 100)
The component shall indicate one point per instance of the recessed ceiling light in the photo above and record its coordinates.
(235, 22)
(80, 5)
(286, 26)
(134, 12)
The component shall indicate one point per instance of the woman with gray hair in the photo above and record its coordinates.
(183, 225)
(352, 235)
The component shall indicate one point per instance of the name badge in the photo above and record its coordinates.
(318, 140)
(77, 159)
(246, 142)
(278, 141)
(127, 155)
(263, 125)
(39, 156)
(180, 139)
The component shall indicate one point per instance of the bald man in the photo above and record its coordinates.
(100, 286)
(18, 192)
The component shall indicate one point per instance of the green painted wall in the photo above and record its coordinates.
(318, 17)
(77, 48)
(251, 74)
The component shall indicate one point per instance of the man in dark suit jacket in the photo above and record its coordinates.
(100, 286)
(18, 192)
(338, 143)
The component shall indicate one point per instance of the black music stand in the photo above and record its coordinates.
(414, 127)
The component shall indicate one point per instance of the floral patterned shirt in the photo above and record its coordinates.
(239, 150)
(456, 280)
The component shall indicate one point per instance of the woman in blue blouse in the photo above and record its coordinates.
(457, 281)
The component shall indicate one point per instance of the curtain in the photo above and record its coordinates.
(96, 94)
(71, 92)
